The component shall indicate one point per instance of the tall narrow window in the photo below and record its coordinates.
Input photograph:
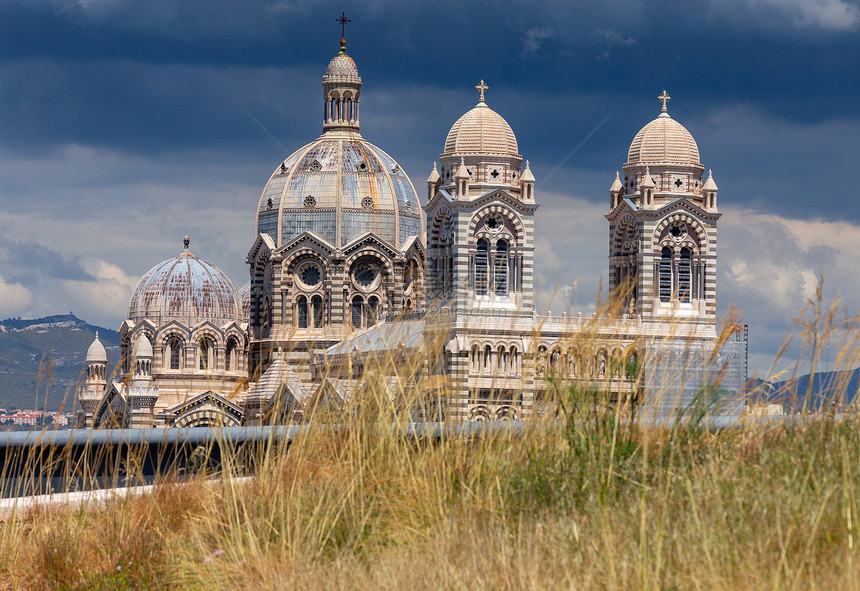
(372, 310)
(302, 311)
(317, 305)
(207, 353)
(175, 346)
(666, 275)
(357, 305)
(230, 356)
(501, 268)
(481, 270)
(684, 275)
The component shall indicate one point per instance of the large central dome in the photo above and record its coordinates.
(339, 187)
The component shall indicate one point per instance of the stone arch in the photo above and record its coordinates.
(208, 416)
(693, 224)
(505, 212)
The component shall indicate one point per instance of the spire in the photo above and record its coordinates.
(481, 87)
(647, 181)
(616, 184)
(710, 185)
(462, 172)
(434, 175)
(527, 176)
(342, 20)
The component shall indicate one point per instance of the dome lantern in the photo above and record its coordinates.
(341, 90)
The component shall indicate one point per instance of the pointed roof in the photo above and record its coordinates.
(710, 185)
(647, 181)
(616, 184)
(279, 374)
(434, 175)
(527, 176)
(462, 171)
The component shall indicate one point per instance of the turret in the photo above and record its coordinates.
(709, 192)
(462, 180)
(527, 181)
(433, 182)
(142, 394)
(615, 191)
(95, 368)
(647, 187)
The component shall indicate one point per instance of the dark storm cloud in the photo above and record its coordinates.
(27, 262)
(125, 125)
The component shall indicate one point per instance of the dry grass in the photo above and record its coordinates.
(572, 503)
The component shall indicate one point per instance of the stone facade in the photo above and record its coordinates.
(346, 268)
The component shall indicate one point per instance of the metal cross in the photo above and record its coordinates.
(664, 97)
(482, 87)
(343, 20)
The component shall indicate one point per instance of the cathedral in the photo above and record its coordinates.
(348, 266)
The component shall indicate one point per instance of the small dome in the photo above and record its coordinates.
(187, 289)
(96, 353)
(245, 302)
(481, 130)
(663, 141)
(341, 68)
(142, 347)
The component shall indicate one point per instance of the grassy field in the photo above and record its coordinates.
(583, 500)
(599, 505)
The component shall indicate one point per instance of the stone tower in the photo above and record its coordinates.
(663, 227)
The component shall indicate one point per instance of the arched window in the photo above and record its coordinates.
(684, 275)
(481, 270)
(230, 361)
(302, 311)
(207, 353)
(488, 354)
(317, 305)
(666, 275)
(357, 311)
(174, 347)
(513, 366)
(475, 358)
(372, 310)
(501, 268)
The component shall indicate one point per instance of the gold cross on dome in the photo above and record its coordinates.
(482, 87)
(664, 97)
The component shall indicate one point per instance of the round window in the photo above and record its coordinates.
(310, 275)
(494, 222)
(366, 276)
(678, 230)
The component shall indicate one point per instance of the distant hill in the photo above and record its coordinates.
(828, 388)
(57, 344)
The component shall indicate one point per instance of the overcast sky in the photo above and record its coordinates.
(125, 125)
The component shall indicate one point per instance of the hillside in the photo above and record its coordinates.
(827, 387)
(57, 345)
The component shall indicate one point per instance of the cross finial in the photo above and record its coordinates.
(481, 87)
(665, 98)
(343, 20)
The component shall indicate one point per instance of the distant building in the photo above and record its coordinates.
(346, 264)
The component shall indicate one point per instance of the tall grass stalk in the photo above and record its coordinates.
(584, 498)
